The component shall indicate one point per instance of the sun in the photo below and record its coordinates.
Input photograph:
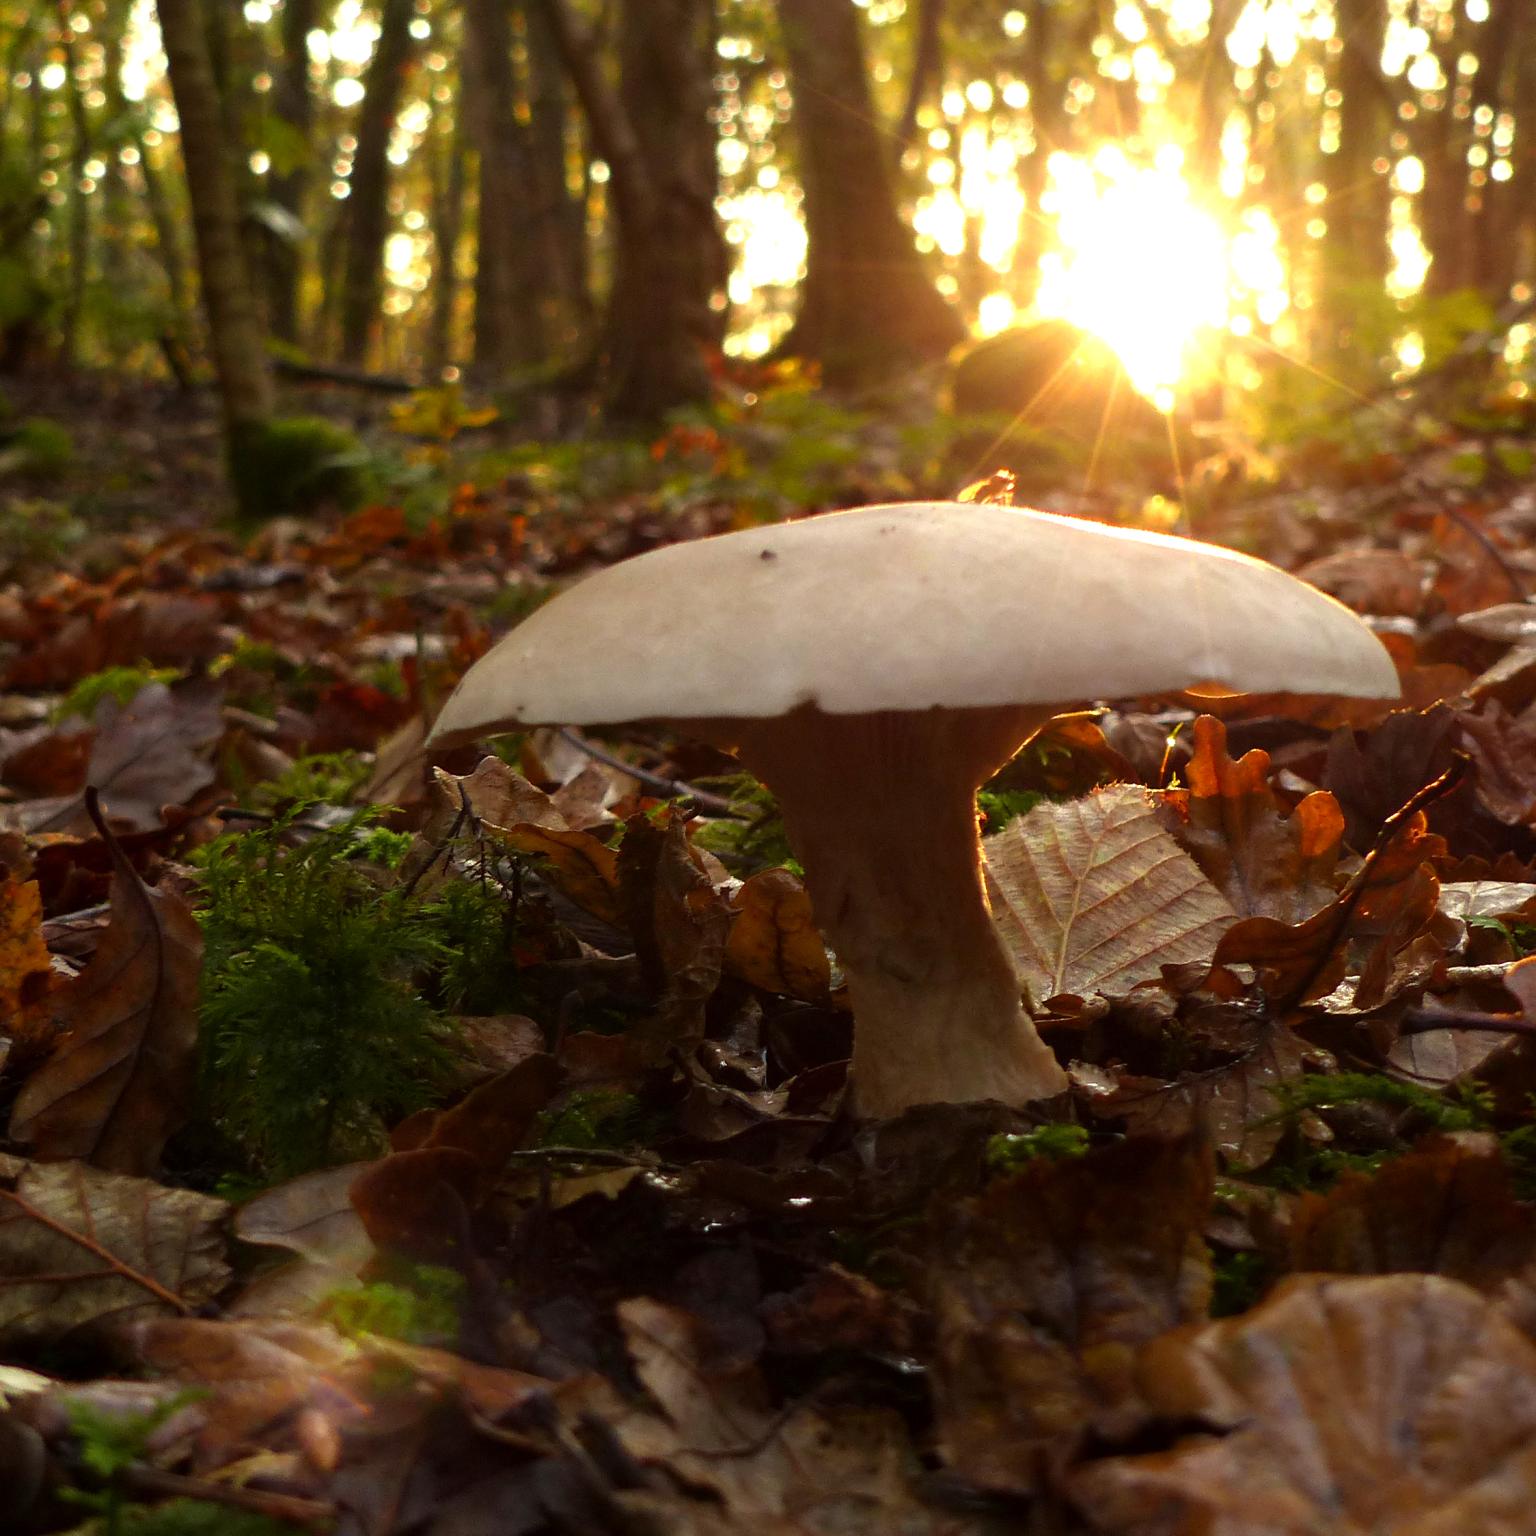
(1137, 262)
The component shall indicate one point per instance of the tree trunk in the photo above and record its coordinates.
(1355, 256)
(927, 67)
(79, 203)
(367, 204)
(509, 311)
(557, 208)
(236, 334)
(660, 330)
(288, 185)
(867, 304)
(448, 185)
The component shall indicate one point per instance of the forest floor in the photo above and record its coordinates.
(460, 1148)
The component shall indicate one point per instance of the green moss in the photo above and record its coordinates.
(120, 683)
(600, 1117)
(296, 464)
(314, 1032)
(1010, 1152)
(41, 448)
(418, 1305)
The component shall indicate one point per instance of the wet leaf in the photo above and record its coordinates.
(1093, 895)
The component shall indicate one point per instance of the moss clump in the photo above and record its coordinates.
(418, 1305)
(123, 684)
(1010, 1152)
(39, 448)
(296, 464)
(314, 1034)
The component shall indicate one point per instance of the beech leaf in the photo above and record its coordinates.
(82, 1247)
(1399, 1405)
(1093, 895)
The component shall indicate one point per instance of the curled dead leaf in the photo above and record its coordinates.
(1403, 1405)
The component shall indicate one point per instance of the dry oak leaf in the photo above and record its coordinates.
(1396, 1405)
(1092, 895)
(1266, 861)
(1043, 1289)
(80, 1247)
(122, 1074)
(774, 942)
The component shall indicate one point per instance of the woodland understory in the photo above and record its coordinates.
(459, 1146)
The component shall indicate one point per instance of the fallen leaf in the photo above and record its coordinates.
(1448, 1207)
(24, 959)
(774, 942)
(1043, 1289)
(80, 1247)
(1093, 895)
(147, 754)
(1401, 1405)
(678, 921)
(1267, 861)
(120, 1080)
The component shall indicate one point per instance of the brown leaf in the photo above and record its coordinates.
(1403, 1405)
(1266, 861)
(1504, 750)
(493, 1119)
(585, 869)
(120, 1079)
(418, 1202)
(80, 1247)
(774, 942)
(1376, 581)
(148, 754)
(678, 920)
(1448, 1207)
(1045, 1286)
(804, 1471)
(1093, 895)
(24, 960)
(257, 1376)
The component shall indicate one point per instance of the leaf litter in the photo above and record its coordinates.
(627, 1263)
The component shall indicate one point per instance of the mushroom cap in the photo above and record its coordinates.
(910, 607)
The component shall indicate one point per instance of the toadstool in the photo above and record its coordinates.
(874, 668)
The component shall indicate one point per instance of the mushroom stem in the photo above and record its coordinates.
(881, 811)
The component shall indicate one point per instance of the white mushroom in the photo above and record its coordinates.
(874, 668)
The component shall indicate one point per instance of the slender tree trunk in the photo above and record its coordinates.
(448, 186)
(509, 324)
(867, 304)
(664, 282)
(927, 68)
(660, 330)
(549, 109)
(236, 335)
(1355, 256)
(288, 187)
(79, 203)
(367, 205)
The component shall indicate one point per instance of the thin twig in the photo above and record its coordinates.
(673, 789)
(1420, 1021)
(287, 1507)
